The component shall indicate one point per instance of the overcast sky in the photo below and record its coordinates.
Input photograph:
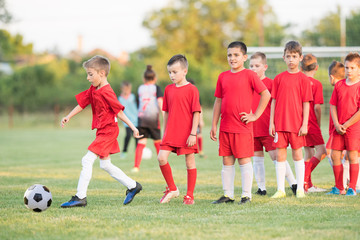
(116, 25)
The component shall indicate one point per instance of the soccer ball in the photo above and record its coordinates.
(147, 153)
(37, 198)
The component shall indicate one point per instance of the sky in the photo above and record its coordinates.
(116, 25)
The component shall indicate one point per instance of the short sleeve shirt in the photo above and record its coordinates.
(317, 91)
(149, 110)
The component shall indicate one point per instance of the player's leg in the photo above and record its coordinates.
(297, 156)
(281, 154)
(247, 174)
(191, 178)
(259, 172)
(155, 134)
(354, 172)
(127, 138)
(338, 172)
(227, 179)
(171, 189)
(138, 154)
(320, 154)
(79, 200)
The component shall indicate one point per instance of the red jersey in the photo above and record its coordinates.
(347, 101)
(290, 90)
(104, 104)
(236, 91)
(317, 91)
(261, 126)
(180, 103)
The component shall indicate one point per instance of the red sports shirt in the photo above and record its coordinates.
(261, 126)
(317, 91)
(347, 101)
(104, 103)
(180, 103)
(236, 91)
(290, 90)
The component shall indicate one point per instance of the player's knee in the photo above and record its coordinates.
(105, 164)
(88, 159)
(162, 159)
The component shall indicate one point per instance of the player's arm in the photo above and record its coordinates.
(160, 103)
(355, 118)
(166, 116)
(73, 112)
(272, 114)
(317, 109)
(121, 115)
(304, 126)
(339, 128)
(251, 117)
(191, 141)
(215, 118)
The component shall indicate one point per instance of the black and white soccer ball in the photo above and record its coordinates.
(38, 198)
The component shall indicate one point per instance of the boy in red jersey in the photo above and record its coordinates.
(314, 137)
(234, 95)
(289, 117)
(345, 112)
(181, 120)
(105, 109)
(262, 139)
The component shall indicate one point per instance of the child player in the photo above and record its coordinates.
(289, 117)
(314, 137)
(181, 119)
(150, 104)
(262, 139)
(345, 112)
(234, 95)
(128, 100)
(105, 108)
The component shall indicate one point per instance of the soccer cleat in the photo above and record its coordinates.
(130, 193)
(168, 195)
(315, 189)
(188, 200)
(279, 194)
(224, 199)
(75, 202)
(245, 200)
(261, 192)
(300, 193)
(123, 155)
(350, 192)
(294, 188)
(135, 170)
(336, 191)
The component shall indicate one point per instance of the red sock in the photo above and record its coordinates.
(138, 154)
(166, 172)
(354, 172)
(307, 172)
(191, 180)
(338, 174)
(157, 146)
(200, 143)
(314, 162)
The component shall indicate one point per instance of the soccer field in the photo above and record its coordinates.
(52, 157)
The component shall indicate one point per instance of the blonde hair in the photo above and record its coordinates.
(98, 63)
(260, 55)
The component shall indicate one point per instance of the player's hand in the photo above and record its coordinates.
(136, 133)
(63, 121)
(191, 141)
(303, 131)
(213, 134)
(340, 129)
(247, 117)
(272, 130)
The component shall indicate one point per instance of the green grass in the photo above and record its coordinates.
(31, 154)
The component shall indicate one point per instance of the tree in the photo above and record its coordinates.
(5, 15)
(353, 29)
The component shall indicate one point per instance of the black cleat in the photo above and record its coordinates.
(261, 192)
(223, 199)
(294, 188)
(75, 202)
(245, 200)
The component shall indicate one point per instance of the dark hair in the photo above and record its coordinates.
(353, 57)
(259, 55)
(179, 58)
(238, 44)
(149, 74)
(125, 84)
(293, 47)
(98, 63)
(309, 63)
(337, 69)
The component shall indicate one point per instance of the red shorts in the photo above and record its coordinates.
(344, 142)
(106, 142)
(179, 150)
(312, 140)
(239, 145)
(329, 142)
(282, 140)
(261, 142)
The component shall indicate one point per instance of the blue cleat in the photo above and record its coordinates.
(350, 192)
(75, 202)
(336, 191)
(130, 193)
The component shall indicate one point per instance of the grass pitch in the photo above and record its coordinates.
(52, 157)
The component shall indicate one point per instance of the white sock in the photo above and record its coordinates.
(289, 174)
(259, 171)
(228, 177)
(300, 174)
(86, 173)
(280, 175)
(346, 174)
(330, 160)
(247, 175)
(117, 174)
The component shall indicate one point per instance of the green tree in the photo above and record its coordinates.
(353, 29)
(5, 15)
(13, 46)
